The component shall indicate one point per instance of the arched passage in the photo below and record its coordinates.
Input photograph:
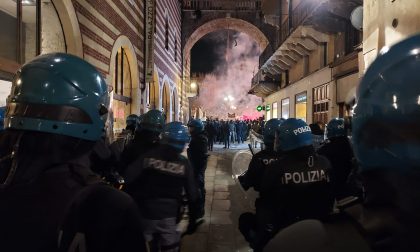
(225, 23)
(215, 25)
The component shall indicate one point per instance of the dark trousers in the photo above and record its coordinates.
(227, 140)
(259, 228)
(199, 174)
(210, 142)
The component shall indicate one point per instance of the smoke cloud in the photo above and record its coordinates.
(225, 90)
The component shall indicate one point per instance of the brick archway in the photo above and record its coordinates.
(215, 25)
(225, 23)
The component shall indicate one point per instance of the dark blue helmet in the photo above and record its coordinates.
(175, 134)
(292, 134)
(2, 112)
(131, 120)
(386, 121)
(335, 128)
(270, 129)
(61, 94)
(197, 125)
(153, 120)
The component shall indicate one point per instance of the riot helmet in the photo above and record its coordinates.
(293, 134)
(61, 94)
(175, 135)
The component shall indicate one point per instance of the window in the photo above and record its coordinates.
(268, 115)
(321, 97)
(20, 33)
(175, 49)
(166, 30)
(353, 37)
(274, 108)
(285, 108)
(300, 109)
(324, 54)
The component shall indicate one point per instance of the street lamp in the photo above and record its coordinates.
(193, 85)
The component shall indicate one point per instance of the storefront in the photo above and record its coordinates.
(300, 108)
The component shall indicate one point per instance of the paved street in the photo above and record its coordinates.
(224, 203)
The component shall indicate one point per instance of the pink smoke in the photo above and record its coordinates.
(217, 91)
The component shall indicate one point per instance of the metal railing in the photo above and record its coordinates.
(221, 5)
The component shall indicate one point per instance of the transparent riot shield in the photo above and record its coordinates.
(240, 165)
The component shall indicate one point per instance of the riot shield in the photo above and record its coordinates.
(240, 165)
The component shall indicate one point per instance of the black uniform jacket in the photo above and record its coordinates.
(257, 166)
(297, 185)
(157, 181)
(197, 151)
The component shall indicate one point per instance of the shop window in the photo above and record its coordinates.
(274, 109)
(20, 32)
(285, 107)
(300, 108)
(321, 97)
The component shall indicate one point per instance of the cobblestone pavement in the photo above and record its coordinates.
(224, 203)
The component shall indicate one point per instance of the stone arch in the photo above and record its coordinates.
(70, 24)
(131, 91)
(153, 92)
(225, 23)
(124, 42)
(214, 25)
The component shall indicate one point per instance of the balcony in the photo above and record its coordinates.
(308, 26)
(236, 5)
(264, 83)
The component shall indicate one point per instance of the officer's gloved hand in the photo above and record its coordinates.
(243, 183)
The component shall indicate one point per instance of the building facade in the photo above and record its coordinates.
(312, 71)
(109, 34)
(166, 91)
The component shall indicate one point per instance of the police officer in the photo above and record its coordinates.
(338, 150)
(296, 186)
(54, 117)
(156, 181)
(253, 176)
(298, 182)
(146, 137)
(251, 224)
(386, 143)
(127, 135)
(197, 155)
